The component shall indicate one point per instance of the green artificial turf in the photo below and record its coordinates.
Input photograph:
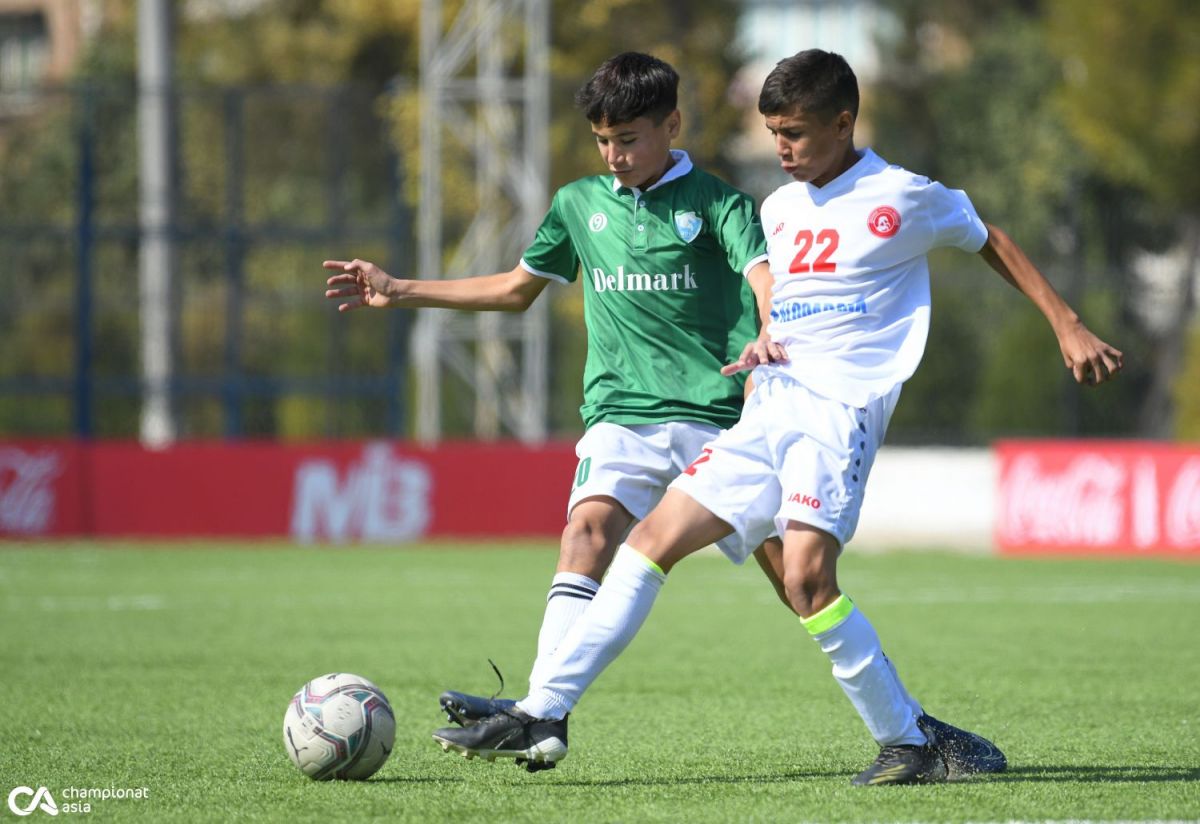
(170, 667)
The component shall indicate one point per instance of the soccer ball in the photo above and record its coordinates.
(339, 726)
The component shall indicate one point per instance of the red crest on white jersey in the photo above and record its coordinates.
(884, 222)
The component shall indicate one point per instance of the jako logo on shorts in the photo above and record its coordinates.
(805, 500)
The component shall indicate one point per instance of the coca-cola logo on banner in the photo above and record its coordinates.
(1182, 519)
(27, 490)
(1121, 497)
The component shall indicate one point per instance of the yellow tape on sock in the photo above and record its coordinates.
(829, 617)
(644, 560)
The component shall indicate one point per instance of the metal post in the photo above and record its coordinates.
(83, 281)
(491, 90)
(156, 213)
(235, 254)
(429, 228)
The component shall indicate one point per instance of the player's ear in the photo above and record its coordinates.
(845, 125)
(674, 122)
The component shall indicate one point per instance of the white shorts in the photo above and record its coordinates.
(794, 456)
(635, 463)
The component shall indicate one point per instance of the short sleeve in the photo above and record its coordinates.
(738, 230)
(954, 219)
(552, 254)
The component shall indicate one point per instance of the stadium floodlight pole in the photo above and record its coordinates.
(492, 89)
(156, 211)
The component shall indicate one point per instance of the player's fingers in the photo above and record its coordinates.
(336, 264)
(342, 293)
(776, 352)
(1110, 363)
(345, 277)
(1079, 370)
(351, 306)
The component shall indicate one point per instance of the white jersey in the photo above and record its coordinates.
(851, 297)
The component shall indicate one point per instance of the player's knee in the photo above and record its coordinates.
(654, 537)
(809, 588)
(585, 548)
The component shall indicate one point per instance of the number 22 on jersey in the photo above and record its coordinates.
(826, 243)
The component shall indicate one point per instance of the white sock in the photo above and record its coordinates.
(913, 704)
(864, 672)
(570, 593)
(598, 636)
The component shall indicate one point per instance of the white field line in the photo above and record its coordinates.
(87, 603)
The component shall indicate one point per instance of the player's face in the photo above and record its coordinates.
(638, 152)
(811, 149)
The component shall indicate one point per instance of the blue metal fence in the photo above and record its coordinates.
(269, 182)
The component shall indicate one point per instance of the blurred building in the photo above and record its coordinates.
(770, 30)
(773, 29)
(40, 40)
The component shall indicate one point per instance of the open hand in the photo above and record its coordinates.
(757, 352)
(359, 282)
(1091, 360)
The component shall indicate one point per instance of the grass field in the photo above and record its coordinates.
(170, 667)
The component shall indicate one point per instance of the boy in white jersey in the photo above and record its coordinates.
(665, 251)
(847, 245)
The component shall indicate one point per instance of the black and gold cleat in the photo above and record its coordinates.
(904, 764)
(540, 742)
(965, 753)
(465, 710)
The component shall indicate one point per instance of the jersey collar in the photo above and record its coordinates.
(683, 165)
(868, 162)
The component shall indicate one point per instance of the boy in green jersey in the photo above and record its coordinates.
(664, 251)
(848, 241)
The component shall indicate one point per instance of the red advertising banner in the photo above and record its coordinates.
(1098, 496)
(375, 491)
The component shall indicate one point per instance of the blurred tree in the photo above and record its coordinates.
(703, 53)
(937, 400)
(1187, 393)
(581, 38)
(1132, 100)
(964, 98)
(230, 98)
(226, 62)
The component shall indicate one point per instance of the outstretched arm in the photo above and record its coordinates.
(361, 283)
(1091, 360)
(761, 350)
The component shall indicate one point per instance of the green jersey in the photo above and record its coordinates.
(665, 301)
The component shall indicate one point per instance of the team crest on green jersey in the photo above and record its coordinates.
(688, 224)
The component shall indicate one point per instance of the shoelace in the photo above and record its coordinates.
(496, 670)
